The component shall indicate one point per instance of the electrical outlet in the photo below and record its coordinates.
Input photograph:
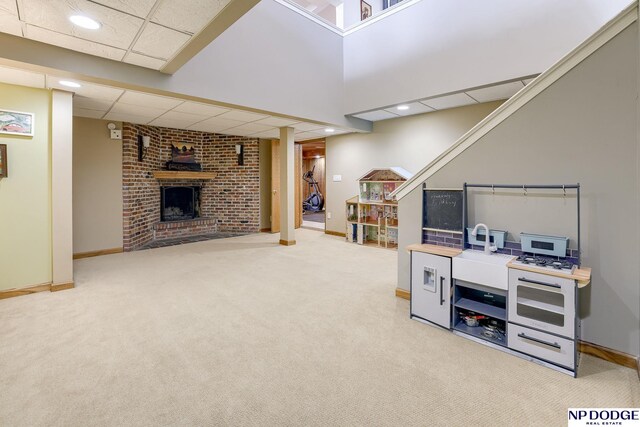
(337, 178)
(328, 215)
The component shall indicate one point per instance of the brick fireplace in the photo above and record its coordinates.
(229, 202)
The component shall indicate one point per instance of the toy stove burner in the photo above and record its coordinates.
(560, 265)
(545, 262)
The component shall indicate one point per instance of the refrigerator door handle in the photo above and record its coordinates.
(441, 290)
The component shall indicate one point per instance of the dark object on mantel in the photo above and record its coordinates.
(183, 158)
(176, 166)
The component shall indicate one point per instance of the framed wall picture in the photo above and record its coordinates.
(3, 161)
(16, 123)
(365, 10)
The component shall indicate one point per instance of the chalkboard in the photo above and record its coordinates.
(442, 209)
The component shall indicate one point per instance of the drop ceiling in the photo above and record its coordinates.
(147, 33)
(499, 91)
(111, 103)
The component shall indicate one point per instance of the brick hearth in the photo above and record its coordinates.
(192, 227)
(229, 202)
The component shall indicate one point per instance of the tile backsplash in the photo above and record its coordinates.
(454, 240)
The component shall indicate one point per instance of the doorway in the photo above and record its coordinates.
(313, 184)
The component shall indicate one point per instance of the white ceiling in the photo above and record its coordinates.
(148, 33)
(111, 103)
(475, 96)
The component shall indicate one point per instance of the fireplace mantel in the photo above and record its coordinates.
(183, 175)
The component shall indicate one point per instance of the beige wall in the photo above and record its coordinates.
(25, 197)
(582, 129)
(408, 142)
(97, 187)
(265, 183)
(62, 186)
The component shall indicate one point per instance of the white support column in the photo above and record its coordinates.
(62, 189)
(287, 185)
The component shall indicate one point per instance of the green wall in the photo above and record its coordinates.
(25, 195)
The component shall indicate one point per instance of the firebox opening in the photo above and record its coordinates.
(179, 203)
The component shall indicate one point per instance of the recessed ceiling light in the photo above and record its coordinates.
(84, 22)
(402, 107)
(329, 130)
(68, 83)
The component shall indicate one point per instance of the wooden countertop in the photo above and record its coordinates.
(581, 275)
(436, 250)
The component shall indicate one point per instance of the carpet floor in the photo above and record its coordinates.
(243, 331)
(314, 216)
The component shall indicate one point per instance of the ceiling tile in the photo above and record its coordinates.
(375, 116)
(144, 61)
(183, 117)
(303, 136)
(188, 15)
(270, 134)
(250, 128)
(201, 109)
(85, 103)
(92, 114)
(215, 124)
(73, 43)
(148, 100)
(449, 101)
(277, 122)
(130, 118)
(140, 8)
(494, 93)
(236, 132)
(243, 116)
(304, 127)
(89, 90)
(160, 42)
(117, 29)
(9, 21)
(171, 123)
(9, 7)
(414, 108)
(137, 110)
(22, 78)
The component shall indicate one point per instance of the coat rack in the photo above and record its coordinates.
(563, 187)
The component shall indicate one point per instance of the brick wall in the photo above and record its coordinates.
(232, 198)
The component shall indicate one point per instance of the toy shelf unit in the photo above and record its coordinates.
(372, 215)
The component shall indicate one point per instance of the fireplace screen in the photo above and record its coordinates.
(179, 203)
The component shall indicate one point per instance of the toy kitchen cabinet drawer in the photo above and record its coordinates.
(557, 350)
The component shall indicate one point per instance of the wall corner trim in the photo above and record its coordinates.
(100, 252)
(10, 293)
(403, 293)
(610, 355)
(62, 286)
(611, 29)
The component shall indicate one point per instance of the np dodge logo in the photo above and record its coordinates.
(603, 417)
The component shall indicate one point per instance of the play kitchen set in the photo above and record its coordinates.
(523, 302)
(372, 216)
